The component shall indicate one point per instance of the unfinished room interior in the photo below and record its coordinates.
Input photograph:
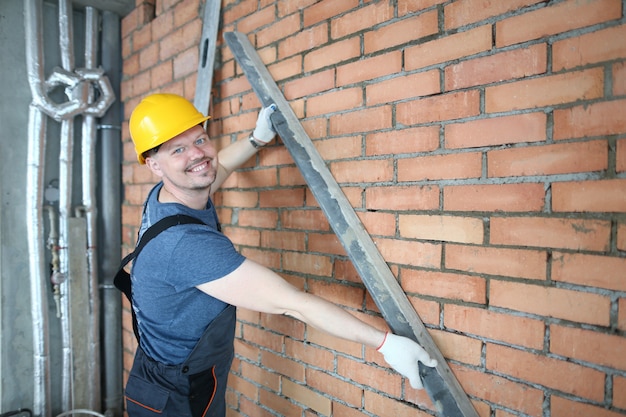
(388, 183)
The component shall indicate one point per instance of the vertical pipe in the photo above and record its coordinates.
(38, 278)
(66, 32)
(110, 228)
(89, 206)
(34, 192)
(65, 209)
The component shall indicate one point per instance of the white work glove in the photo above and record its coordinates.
(403, 354)
(264, 131)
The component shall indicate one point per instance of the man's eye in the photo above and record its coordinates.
(179, 150)
(200, 141)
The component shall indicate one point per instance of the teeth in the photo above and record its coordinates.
(199, 168)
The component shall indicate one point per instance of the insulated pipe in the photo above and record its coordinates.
(110, 236)
(34, 192)
(38, 278)
(88, 159)
(66, 30)
(33, 23)
(65, 207)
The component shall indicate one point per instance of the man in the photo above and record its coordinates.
(188, 281)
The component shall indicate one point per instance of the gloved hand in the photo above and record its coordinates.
(264, 131)
(402, 354)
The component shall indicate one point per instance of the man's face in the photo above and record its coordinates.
(187, 161)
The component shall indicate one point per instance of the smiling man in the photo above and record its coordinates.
(189, 280)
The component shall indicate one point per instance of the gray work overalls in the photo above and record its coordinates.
(195, 388)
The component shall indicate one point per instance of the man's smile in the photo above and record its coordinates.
(200, 167)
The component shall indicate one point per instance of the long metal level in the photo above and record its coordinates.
(206, 59)
(443, 388)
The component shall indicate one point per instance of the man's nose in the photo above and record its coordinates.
(196, 152)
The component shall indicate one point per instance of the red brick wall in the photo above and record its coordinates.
(482, 143)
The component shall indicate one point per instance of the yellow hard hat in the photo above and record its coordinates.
(160, 117)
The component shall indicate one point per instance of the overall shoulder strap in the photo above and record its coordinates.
(122, 279)
(161, 225)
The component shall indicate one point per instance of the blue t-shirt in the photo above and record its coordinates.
(171, 312)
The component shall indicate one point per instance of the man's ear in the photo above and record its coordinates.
(153, 164)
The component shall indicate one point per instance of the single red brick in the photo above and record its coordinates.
(564, 407)
(590, 196)
(162, 74)
(345, 147)
(516, 330)
(448, 48)
(452, 286)
(437, 167)
(494, 197)
(619, 79)
(580, 307)
(588, 346)
(444, 107)
(458, 348)
(620, 156)
(332, 54)
(334, 387)
(549, 20)
(333, 101)
(548, 159)
(315, 83)
(370, 170)
(509, 65)
(597, 119)
(590, 48)
(621, 236)
(369, 68)
(400, 32)
(364, 17)
(258, 218)
(286, 240)
(410, 253)
(324, 10)
(441, 228)
(286, 8)
(605, 272)
(303, 40)
(254, 21)
(186, 63)
(277, 403)
(545, 91)
(278, 30)
(325, 243)
(181, 39)
(471, 11)
(576, 234)
(380, 404)
(403, 87)
(619, 391)
(567, 377)
(399, 141)
(499, 390)
(162, 25)
(398, 198)
(528, 127)
(365, 120)
(515, 263)
(320, 338)
(283, 69)
(282, 198)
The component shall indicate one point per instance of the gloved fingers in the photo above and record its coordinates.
(264, 131)
(266, 112)
(416, 381)
(427, 360)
